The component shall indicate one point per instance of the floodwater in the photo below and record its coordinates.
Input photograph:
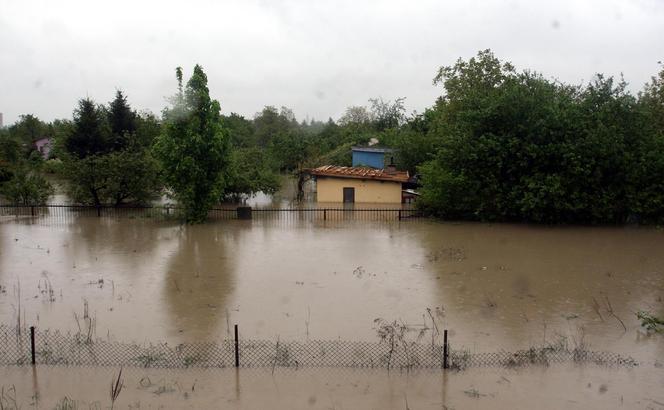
(556, 387)
(494, 286)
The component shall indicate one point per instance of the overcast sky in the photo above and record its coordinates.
(316, 57)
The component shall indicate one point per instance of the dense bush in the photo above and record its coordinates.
(516, 146)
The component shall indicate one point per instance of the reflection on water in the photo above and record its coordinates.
(197, 282)
(493, 286)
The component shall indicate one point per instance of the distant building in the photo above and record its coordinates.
(44, 145)
(372, 157)
(359, 184)
(1, 123)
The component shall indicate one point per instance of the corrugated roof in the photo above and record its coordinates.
(360, 173)
(372, 149)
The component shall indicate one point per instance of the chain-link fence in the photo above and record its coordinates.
(78, 349)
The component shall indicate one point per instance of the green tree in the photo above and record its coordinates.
(90, 134)
(249, 173)
(122, 121)
(25, 187)
(240, 130)
(114, 178)
(29, 129)
(193, 147)
(106, 154)
(270, 123)
(651, 100)
(20, 180)
(647, 195)
(387, 114)
(26, 131)
(516, 146)
(357, 116)
(10, 152)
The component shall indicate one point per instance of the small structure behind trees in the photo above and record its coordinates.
(359, 184)
(497, 144)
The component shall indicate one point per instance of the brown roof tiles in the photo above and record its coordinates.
(360, 173)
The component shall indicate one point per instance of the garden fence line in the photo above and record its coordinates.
(66, 212)
(48, 347)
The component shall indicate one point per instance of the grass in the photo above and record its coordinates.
(191, 360)
(116, 388)
(148, 359)
(66, 404)
(8, 398)
(650, 322)
(85, 333)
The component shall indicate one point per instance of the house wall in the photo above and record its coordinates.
(330, 189)
(44, 147)
(371, 159)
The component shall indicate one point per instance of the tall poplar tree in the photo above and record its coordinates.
(193, 147)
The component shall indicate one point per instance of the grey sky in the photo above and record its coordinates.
(316, 57)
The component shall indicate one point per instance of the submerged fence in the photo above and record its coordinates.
(66, 212)
(45, 347)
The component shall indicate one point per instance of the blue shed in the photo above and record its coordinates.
(371, 157)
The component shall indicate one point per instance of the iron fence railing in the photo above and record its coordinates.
(65, 212)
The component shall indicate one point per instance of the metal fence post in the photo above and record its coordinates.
(32, 343)
(32, 210)
(445, 350)
(237, 349)
(399, 214)
(325, 214)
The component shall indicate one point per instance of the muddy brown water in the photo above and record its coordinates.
(495, 287)
(556, 387)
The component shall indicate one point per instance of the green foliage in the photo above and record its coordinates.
(248, 173)
(651, 322)
(91, 134)
(20, 183)
(53, 166)
(10, 149)
(289, 150)
(341, 155)
(193, 147)
(652, 101)
(29, 129)
(270, 123)
(25, 187)
(122, 121)
(240, 130)
(114, 178)
(516, 146)
(105, 154)
(387, 115)
(148, 128)
(357, 117)
(62, 129)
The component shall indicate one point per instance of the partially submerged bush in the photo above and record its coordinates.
(651, 322)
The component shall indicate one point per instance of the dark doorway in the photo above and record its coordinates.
(349, 195)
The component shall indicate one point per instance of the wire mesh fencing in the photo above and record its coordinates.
(79, 349)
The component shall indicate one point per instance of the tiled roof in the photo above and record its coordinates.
(360, 173)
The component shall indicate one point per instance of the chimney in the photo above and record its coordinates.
(391, 169)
